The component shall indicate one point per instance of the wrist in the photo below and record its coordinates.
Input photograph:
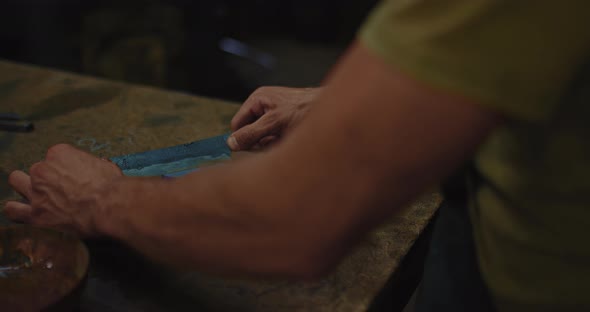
(109, 201)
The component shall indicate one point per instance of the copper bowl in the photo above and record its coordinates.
(38, 267)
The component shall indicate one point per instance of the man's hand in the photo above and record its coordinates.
(63, 191)
(267, 114)
(291, 212)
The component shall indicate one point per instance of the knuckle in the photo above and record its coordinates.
(274, 120)
(37, 169)
(252, 101)
(262, 95)
(55, 150)
(273, 116)
(245, 137)
(262, 89)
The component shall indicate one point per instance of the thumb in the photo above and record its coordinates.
(249, 135)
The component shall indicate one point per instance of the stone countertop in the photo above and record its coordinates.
(110, 119)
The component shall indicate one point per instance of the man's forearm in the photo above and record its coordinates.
(226, 219)
(362, 153)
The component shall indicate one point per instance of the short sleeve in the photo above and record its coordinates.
(515, 57)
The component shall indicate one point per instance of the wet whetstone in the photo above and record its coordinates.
(115, 119)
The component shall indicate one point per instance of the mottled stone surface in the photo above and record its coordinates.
(110, 119)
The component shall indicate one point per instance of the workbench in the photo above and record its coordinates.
(110, 119)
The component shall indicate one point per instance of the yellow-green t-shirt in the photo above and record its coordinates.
(528, 61)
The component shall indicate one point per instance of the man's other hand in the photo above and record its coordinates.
(267, 114)
(63, 191)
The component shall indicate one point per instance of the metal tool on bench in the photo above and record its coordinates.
(14, 123)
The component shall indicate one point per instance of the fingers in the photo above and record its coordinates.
(54, 151)
(268, 140)
(250, 111)
(18, 211)
(248, 136)
(264, 142)
(62, 154)
(243, 117)
(21, 183)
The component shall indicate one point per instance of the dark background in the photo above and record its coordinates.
(191, 46)
(180, 44)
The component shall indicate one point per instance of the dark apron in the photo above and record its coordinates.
(452, 280)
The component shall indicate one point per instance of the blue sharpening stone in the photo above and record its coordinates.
(174, 161)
